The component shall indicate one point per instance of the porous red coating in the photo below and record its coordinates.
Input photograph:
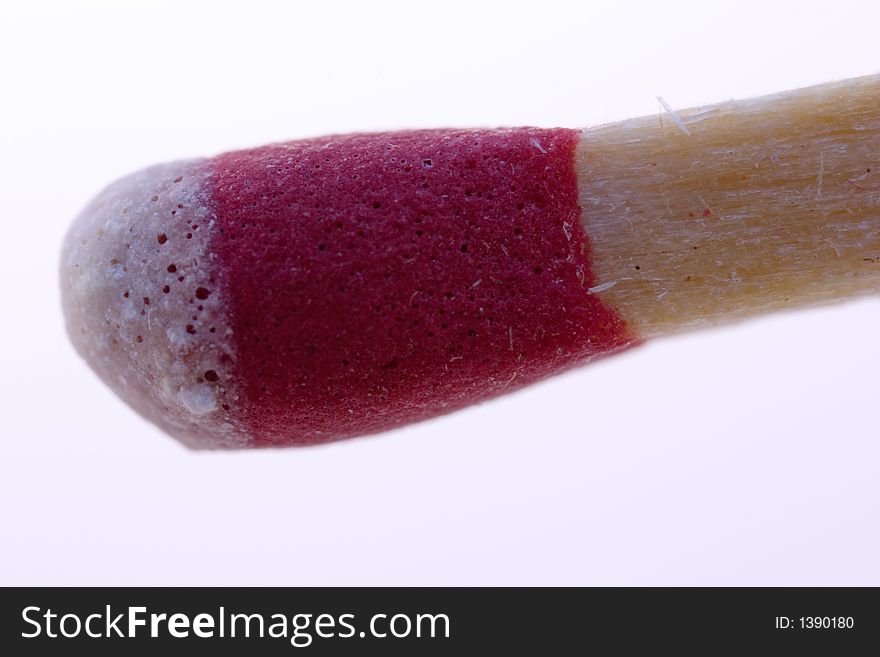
(378, 279)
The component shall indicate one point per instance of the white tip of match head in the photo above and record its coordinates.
(143, 303)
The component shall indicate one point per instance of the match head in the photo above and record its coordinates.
(328, 288)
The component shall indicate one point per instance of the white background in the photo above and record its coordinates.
(747, 455)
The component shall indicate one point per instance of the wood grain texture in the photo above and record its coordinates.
(736, 209)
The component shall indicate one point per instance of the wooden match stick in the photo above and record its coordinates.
(737, 209)
(334, 287)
